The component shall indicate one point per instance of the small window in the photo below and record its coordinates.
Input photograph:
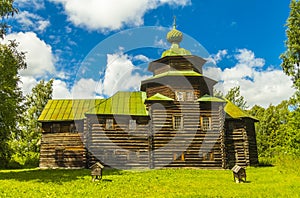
(109, 124)
(180, 96)
(132, 124)
(189, 96)
(55, 128)
(73, 128)
(206, 123)
(209, 156)
(177, 122)
(178, 157)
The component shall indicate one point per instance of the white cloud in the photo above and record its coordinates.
(215, 58)
(27, 83)
(85, 88)
(247, 57)
(161, 43)
(120, 74)
(39, 57)
(36, 4)
(141, 58)
(257, 86)
(93, 14)
(32, 21)
(60, 90)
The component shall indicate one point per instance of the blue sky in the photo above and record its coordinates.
(81, 44)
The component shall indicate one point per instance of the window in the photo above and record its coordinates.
(109, 124)
(179, 96)
(190, 96)
(178, 157)
(177, 122)
(206, 122)
(73, 128)
(184, 95)
(55, 128)
(132, 124)
(209, 156)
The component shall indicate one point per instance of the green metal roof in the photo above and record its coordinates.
(208, 98)
(67, 110)
(176, 52)
(235, 112)
(122, 103)
(159, 97)
(175, 73)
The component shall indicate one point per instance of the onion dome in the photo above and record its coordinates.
(175, 37)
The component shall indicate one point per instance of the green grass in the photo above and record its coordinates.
(262, 182)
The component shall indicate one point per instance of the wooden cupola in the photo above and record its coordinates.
(178, 73)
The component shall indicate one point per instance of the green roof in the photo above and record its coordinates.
(122, 103)
(159, 97)
(67, 110)
(176, 52)
(208, 98)
(235, 112)
(175, 73)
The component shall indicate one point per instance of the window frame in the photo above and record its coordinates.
(175, 122)
(132, 124)
(203, 123)
(190, 96)
(109, 124)
(208, 156)
(56, 128)
(178, 156)
(180, 95)
(185, 96)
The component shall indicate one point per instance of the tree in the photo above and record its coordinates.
(6, 10)
(234, 95)
(278, 129)
(291, 57)
(11, 61)
(10, 95)
(27, 145)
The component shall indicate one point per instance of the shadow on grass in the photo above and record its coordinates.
(58, 176)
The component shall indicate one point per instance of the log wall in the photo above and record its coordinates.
(191, 146)
(240, 141)
(62, 150)
(119, 147)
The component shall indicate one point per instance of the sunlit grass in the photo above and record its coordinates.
(261, 182)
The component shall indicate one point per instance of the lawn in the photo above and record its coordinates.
(262, 182)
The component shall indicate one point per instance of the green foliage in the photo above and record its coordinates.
(291, 57)
(278, 131)
(11, 61)
(26, 145)
(234, 95)
(262, 182)
(218, 93)
(6, 10)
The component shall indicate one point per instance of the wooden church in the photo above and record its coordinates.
(173, 121)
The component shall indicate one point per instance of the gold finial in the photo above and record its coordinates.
(174, 22)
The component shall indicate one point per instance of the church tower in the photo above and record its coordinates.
(178, 73)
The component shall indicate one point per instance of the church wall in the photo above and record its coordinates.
(241, 148)
(61, 147)
(119, 146)
(190, 146)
